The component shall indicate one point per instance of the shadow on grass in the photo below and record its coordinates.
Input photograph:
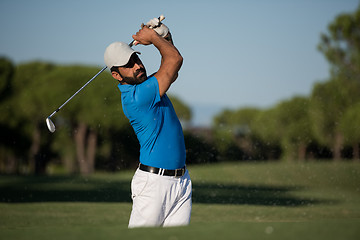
(250, 195)
(78, 189)
(23, 189)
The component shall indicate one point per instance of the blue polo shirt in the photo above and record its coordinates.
(155, 123)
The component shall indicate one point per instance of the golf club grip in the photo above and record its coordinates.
(161, 18)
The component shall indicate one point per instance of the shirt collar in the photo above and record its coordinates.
(124, 87)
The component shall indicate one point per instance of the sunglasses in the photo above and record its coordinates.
(134, 59)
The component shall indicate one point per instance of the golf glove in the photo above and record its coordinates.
(159, 27)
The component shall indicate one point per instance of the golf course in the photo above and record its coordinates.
(264, 200)
(258, 100)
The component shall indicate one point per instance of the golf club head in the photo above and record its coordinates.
(50, 125)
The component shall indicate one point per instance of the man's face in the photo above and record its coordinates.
(133, 72)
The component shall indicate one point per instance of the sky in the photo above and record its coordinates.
(244, 53)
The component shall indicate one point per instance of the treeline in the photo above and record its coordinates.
(93, 133)
(325, 124)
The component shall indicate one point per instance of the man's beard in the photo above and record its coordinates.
(136, 79)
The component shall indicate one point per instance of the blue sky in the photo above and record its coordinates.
(236, 53)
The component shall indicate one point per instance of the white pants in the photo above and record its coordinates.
(160, 200)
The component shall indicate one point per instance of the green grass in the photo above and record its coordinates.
(316, 200)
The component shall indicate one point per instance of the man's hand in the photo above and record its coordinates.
(171, 59)
(145, 36)
(158, 27)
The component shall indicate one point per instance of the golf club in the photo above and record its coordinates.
(49, 122)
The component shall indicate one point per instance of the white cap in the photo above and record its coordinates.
(118, 54)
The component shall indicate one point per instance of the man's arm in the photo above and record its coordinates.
(168, 38)
(171, 59)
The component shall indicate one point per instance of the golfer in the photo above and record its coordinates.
(161, 186)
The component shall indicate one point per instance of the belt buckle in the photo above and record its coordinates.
(182, 172)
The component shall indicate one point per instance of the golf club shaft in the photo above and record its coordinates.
(78, 91)
(103, 69)
(130, 44)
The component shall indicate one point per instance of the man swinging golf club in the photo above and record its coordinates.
(161, 186)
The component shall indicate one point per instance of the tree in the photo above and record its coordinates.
(29, 104)
(11, 148)
(249, 132)
(341, 46)
(224, 135)
(330, 100)
(349, 126)
(96, 115)
(96, 109)
(243, 131)
(267, 130)
(6, 75)
(93, 120)
(293, 119)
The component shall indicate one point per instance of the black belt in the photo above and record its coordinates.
(164, 172)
